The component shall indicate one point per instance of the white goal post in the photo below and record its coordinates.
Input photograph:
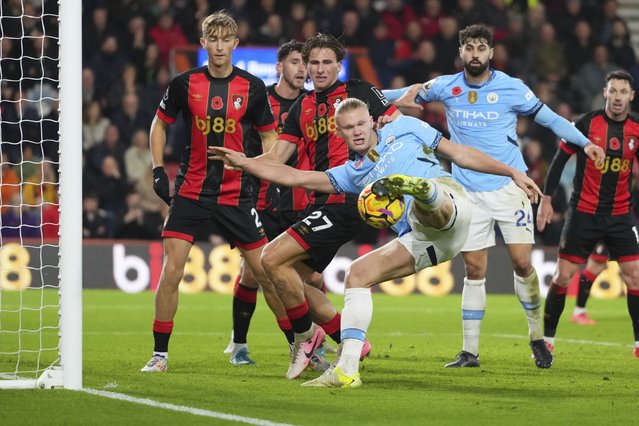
(62, 365)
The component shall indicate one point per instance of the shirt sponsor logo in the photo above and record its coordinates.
(492, 98)
(472, 97)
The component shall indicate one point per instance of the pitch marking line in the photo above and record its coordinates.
(182, 408)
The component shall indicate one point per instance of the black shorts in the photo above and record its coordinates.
(276, 222)
(239, 225)
(324, 230)
(583, 231)
(600, 253)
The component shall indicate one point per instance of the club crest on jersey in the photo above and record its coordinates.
(217, 103)
(614, 143)
(456, 91)
(492, 98)
(472, 97)
(337, 101)
(390, 140)
(632, 142)
(238, 101)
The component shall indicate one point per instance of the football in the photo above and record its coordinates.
(379, 212)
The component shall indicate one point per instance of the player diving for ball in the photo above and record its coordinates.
(398, 160)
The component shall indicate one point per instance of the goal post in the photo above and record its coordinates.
(41, 273)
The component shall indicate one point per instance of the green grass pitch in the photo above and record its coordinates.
(594, 380)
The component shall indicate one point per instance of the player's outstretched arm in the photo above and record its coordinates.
(473, 159)
(405, 97)
(280, 174)
(544, 212)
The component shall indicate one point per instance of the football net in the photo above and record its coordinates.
(40, 200)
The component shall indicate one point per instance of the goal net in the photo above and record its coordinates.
(40, 199)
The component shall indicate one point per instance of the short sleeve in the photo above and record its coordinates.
(341, 178)
(429, 90)
(524, 102)
(291, 131)
(170, 104)
(263, 119)
(378, 105)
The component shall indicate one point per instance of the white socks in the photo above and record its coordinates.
(434, 199)
(473, 309)
(356, 318)
(527, 291)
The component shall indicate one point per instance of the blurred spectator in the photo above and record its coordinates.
(153, 92)
(135, 42)
(368, 16)
(328, 16)
(10, 61)
(137, 223)
(137, 159)
(566, 21)
(467, 13)
(549, 62)
(495, 14)
(244, 32)
(148, 198)
(619, 46)
(353, 34)
(94, 125)
(50, 221)
(107, 65)
(309, 30)
(110, 146)
(381, 52)
(166, 34)
(238, 9)
(42, 186)
(535, 16)
(151, 63)
(429, 18)
(586, 84)
(295, 20)
(537, 165)
(9, 184)
(92, 40)
(258, 13)
(606, 21)
(500, 60)
(128, 118)
(580, 46)
(447, 45)
(396, 16)
(423, 64)
(128, 83)
(88, 85)
(111, 187)
(94, 220)
(405, 46)
(271, 33)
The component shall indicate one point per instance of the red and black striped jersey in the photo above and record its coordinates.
(283, 198)
(216, 112)
(605, 189)
(311, 125)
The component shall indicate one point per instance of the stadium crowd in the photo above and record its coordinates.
(561, 49)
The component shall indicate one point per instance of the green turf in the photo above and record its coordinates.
(594, 379)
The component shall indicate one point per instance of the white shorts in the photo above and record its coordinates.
(430, 246)
(509, 208)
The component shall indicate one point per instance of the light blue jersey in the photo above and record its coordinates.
(483, 117)
(400, 149)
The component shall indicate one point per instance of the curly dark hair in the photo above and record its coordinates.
(288, 48)
(477, 32)
(323, 41)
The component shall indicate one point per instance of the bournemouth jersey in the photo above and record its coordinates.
(604, 189)
(311, 125)
(276, 197)
(216, 112)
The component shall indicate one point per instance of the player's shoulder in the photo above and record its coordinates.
(634, 117)
(505, 80)
(356, 82)
(185, 75)
(588, 116)
(253, 80)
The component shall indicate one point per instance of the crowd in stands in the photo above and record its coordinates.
(561, 48)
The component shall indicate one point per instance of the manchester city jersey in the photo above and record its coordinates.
(484, 117)
(405, 146)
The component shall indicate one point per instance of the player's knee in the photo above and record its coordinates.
(270, 259)
(563, 278)
(172, 273)
(355, 277)
(522, 266)
(316, 280)
(631, 278)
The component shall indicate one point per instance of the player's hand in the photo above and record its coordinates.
(161, 184)
(407, 100)
(232, 159)
(544, 212)
(595, 153)
(382, 120)
(528, 185)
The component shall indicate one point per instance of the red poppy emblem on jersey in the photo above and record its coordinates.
(321, 110)
(238, 100)
(217, 103)
(614, 143)
(456, 90)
